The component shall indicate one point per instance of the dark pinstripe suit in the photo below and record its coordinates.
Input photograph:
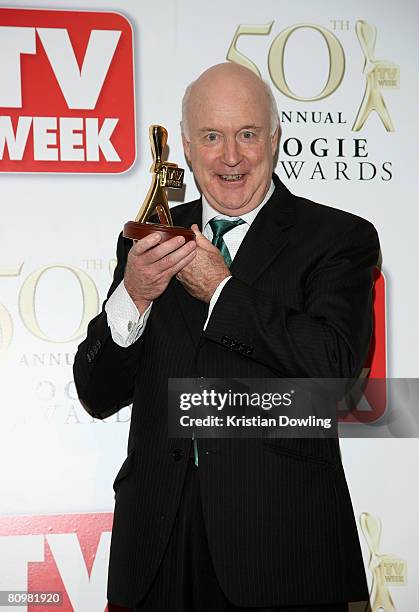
(278, 514)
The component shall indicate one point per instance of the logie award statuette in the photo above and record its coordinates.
(165, 175)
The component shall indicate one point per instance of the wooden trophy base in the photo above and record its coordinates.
(136, 231)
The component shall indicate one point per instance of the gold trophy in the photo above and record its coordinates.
(165, 175)
(387, 570)
(379, 74)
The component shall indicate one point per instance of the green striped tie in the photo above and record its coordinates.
(219, 228)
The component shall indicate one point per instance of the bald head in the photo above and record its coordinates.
(225, 76)
(230, 132)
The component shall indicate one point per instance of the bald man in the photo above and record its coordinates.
(273, 286)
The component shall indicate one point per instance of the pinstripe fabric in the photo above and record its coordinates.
(278, 515)
(185, 581)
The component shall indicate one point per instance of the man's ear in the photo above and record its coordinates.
(186, 148)
(275, 140)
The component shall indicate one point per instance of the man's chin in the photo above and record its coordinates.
(230, 199)
(228, 205)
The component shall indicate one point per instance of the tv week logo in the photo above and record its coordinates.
(66, 92)
(63, 553)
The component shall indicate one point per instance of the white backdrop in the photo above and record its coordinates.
(58, 461)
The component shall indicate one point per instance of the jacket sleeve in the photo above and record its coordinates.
(329, 337)
(104, 373)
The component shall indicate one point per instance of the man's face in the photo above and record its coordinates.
(228, 143)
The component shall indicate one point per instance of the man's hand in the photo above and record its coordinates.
(151, 266)
(202, 276)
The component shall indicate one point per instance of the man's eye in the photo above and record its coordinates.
(212, 137)
(247, 135)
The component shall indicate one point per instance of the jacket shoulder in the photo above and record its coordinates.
(320, 216)
(186, 211)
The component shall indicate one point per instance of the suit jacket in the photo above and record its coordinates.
(278, 514)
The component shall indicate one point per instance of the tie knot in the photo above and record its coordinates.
(222, 226)
(219, 228)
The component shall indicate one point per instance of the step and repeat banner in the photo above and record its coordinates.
(79, 87)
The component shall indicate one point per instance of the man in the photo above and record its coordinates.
(232, 524)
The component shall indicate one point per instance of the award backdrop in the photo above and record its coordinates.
(79, 89)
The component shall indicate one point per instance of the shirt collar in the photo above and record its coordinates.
(209, 213)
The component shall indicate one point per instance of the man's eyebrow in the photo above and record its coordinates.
(207, 129)
(251, 126)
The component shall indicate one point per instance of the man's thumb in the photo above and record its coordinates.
(199, 237)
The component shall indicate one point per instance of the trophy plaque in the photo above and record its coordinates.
(165, 175)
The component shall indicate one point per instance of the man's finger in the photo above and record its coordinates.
(157, 251)
(197, 232)
(172, 259)
(201, 241)
(143, 245)
(182, 263)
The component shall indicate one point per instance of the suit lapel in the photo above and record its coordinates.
(263, 242)
(186, 215)
(267, 235)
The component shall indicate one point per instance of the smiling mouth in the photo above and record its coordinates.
(231, 178)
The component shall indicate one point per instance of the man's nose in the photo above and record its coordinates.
(231, 152)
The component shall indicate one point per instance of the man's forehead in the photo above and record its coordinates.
(229, 111)
(225, 91)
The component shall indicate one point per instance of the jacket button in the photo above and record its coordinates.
(177, 454)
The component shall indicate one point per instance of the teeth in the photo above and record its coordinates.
(231, 177)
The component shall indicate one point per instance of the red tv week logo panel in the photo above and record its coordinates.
(370, 405)
(64, 553)
(66, 92)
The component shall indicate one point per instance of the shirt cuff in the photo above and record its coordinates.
(124, 320)
(215, 297)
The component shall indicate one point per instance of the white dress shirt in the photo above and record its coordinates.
(126, 323)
